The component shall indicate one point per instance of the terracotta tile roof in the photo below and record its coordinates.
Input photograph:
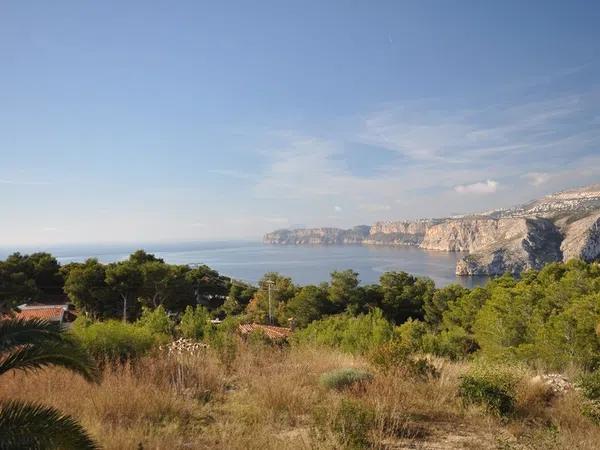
(41, 312)
(271, 331)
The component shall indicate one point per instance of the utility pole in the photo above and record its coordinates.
(270, 284)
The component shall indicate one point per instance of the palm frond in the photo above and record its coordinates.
(65, 353)
(25, 425)
(16, 332)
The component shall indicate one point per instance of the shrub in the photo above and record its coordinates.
(224, 340)
(353, 422)
(156, 320)
(591, 410)
(422, 368)
(454, 343)
(258, 340)
(195, 323)
(590, 385)
(493, 387)
(394, 355)
(351, 334)
(411, 334)
(389, 355)
(344, 378)
(113, 340)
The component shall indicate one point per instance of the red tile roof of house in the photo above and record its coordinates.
(54, 312)
(271, 331)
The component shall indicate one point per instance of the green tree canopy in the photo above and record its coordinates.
(344, 292)
(310, 303)
(86, 287)
(404, 295)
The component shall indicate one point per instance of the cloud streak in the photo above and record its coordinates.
(443, 156)
(482, 187)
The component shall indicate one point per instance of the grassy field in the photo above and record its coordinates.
(254, 396)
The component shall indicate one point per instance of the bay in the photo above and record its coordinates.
(249, 260)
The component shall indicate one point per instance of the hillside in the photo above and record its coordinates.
(557, 227)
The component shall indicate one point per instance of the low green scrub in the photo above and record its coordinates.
(224, 340)
(157, 322)
(350, 334)
(344, 378)
(590, 387)
(113, 340)
(195, 323)
(492, 386)
(397, 355)
(589, 384)
(454, 343)
(389, 355)
(351, 420)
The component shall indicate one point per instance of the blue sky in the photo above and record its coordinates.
(165, 121)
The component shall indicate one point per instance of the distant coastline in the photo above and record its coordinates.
(558, 227)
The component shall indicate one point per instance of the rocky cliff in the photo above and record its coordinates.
(557, 227)
(400, 232)
(512, 245)
(318, 236)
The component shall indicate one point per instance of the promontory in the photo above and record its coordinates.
(557, 227)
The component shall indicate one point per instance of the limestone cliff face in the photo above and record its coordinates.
(526, 243)
(557, 227)
(400, 232)
(582, 238)
(472, 234)
(318, 236)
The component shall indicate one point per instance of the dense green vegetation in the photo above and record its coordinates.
(549, 317)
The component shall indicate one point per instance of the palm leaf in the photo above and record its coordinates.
(66, 353)
(26, 425)
(16, 332)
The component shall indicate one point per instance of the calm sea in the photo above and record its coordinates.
(248, 261)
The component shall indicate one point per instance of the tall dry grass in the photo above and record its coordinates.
(262, 397)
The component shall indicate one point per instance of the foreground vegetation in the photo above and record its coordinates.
(398, 364)
(261, 397)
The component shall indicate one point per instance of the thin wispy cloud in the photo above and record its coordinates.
(481, 187)
(537, 178)
(444, 155)
(421, 132)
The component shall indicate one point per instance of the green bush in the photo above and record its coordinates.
(454, 343)
(591, 410)
(113, 340)
(389, 355)
(344, 378)
(156, 320)
(353, 422)
(224, 340)
(422, 368)
(590, 385)
(358, 334)
(494, 387)
(258, 340)
(411, 334)
(195, 323)
(396, 355)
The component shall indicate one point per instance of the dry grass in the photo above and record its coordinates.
(268, 398)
